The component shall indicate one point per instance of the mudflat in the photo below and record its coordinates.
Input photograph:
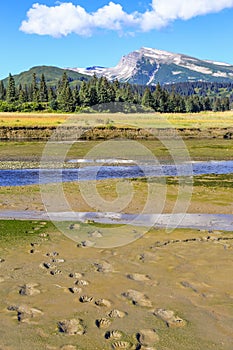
(163, 291)
(167, 290)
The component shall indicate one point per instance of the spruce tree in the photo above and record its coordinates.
(147, 98)
(11, 91)
(2, 91)
(84, 94)
(65, 97)
(93, 97)
(104, 91)
(157, 94)
(76, 96)
(35, 90)
(52, 94)
(21, 94)
(128, 95)
(26, 93)
(43, 92)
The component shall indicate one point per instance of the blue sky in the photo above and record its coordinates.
(80, 33)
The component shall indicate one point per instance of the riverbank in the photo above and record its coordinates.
(103, 126)
(68, 133)
(29, 154)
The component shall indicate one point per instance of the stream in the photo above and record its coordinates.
(102, 170)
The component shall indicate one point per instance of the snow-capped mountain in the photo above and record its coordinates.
(148, 66)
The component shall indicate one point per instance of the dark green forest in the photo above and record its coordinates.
(65, 97)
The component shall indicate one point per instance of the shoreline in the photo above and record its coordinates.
(80, 163)
(199, 221)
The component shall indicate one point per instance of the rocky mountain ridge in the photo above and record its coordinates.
(149, 66)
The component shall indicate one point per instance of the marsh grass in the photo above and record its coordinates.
(15, 232)
(207, 181)
(200, 120)
(31, 119)
(198, 149)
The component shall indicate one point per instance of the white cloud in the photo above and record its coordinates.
(164, 12)
(112, 17)
(66, 18)
(183, 9)
(56, 21)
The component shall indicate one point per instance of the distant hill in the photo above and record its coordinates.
(144, 67)
(52, 76)
(151, 66)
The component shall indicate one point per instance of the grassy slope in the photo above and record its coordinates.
(52, 75)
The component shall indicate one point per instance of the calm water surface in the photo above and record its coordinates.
(22, 177)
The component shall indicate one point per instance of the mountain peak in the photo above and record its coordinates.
(148, 66)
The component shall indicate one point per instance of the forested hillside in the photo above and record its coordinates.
(65, 96)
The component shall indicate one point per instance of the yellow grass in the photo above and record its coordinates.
(146, 120)
(31, 119)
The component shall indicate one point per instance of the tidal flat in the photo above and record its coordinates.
(166, 290)
(163, 291)
(181, 273)
(210, 194)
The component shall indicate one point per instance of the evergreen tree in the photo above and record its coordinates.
(105, 93)
(43, 90)
(162, 102)
(119, 95)
(52, 94)
(172, 102)
(128, 94)
(225, 104)
(189, 105)
(68, 105)
(94, 81)
(65, 97)
(34, 88)
(147, 98)
(217, 105)
(2, 91)
(157, 96)
(21, 94)
(84, 94)
(11, 91)
(76, 97)
(116, 85)
(181, 103)
(52, 98)
(206, 104)
(92, 94)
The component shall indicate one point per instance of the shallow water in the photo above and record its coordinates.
(22, 177)
(181, 220)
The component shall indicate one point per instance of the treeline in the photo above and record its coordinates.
(201, 88)
(64, 97)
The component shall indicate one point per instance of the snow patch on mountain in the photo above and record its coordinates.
(152, 77)
(176, 72)
(196, 68)
(219, 63)
(220, 74)
(145, 65)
